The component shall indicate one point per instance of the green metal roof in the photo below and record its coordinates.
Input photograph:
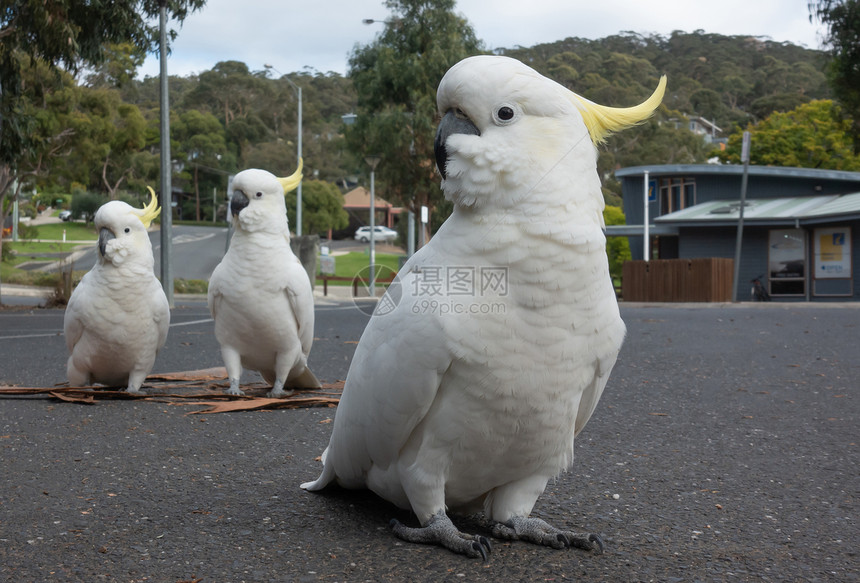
(797, 209)
(657, 170)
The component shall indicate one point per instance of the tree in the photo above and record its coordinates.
(67, 34)
(231, 92)
(395, 78)
(118, 68)
(199, 138)
(814, 135)
(108, 135)
(322, 207)
(842, 19)
(61, 34)
(85, 205)
(617, 248)
(49, 104)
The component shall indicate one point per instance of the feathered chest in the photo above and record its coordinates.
(257, 262)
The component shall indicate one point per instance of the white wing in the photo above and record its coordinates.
(392, 382)
(300, 297)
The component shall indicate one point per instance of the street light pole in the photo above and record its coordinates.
(166, 186)
(299, 189)
(745, 158)
(298, 91)
(372, 161)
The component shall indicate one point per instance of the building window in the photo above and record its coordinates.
(676, 194)
(787, 262)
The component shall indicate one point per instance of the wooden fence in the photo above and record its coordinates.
(383, 281)
(678, 280)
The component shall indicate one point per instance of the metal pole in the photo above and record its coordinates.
(410, 234)
(15, 216)
(372, 237)
(166, 188)
(646, 235)
(372, 161)
(299, 190)
(745, 157)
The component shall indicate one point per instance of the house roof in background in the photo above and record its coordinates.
(360, 198)
(737, 170)
(797, 209)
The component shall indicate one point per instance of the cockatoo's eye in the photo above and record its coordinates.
(460, 114)
(505, 114)
(259, 195)
(128, 230)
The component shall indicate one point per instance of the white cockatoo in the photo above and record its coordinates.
(475, 374)
(260, 295)
(118, 315)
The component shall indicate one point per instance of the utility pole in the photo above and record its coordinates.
(372, 161)
(646, 235)
(166, 182)
(745, 158)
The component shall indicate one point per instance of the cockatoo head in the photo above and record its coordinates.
(123, 231)
(508, 133)
(257, 202)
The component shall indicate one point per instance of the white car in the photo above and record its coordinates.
(65, 215)
(383, 234)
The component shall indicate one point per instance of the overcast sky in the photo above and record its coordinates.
(320, 34)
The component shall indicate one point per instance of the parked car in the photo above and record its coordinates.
(66, 215)
(383, 234)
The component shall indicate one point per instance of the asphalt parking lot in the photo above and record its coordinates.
(725, 448)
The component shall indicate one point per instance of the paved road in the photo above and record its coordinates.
(196, 251)
(724, 449)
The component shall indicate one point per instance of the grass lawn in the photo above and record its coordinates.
(52, 235)
(24, 248)
(351, 264)
(74, 231)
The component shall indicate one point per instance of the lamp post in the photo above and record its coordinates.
(372, 161)
(166, 186)
(745, 158)
(298, 91)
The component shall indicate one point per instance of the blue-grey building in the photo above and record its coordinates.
(799, 224)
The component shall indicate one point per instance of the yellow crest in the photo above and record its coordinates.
(148, 213)
(602, 120)
(291, 182)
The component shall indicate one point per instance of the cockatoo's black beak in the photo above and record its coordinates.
(238, 201)
(105, 235)
(451, 124)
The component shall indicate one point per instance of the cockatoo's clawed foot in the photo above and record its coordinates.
(540, 532)
(593, 542)
(234, 389)
(133, 391)
(441, 531)
(279, 393)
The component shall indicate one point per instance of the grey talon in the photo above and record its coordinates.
(594, 538)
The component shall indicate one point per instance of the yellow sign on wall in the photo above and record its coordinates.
(833, 253)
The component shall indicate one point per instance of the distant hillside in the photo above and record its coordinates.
(232, 117)
(727, 79)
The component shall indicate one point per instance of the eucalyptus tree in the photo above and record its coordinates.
(199, 140)
(232, 93)
(395, 79)
(842, 19)
(813, 135)
(322, 207)
(62, 35)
